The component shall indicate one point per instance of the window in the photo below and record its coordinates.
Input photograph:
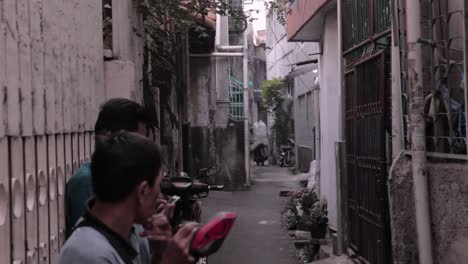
(236, 25)
(364, 20)
(236, 99)
(445, 87)
(107, 23)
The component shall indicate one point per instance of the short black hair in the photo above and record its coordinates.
(121, 114)
(121, 161)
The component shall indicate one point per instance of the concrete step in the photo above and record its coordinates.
(326, 251)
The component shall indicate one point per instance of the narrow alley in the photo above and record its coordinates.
(258, 235)
(366, 101)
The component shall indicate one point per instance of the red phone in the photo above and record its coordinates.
(209, 238)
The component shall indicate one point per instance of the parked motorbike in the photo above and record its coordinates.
(287, 156)
(207, 175)
(188, 208)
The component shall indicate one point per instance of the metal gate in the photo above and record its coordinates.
(366, 111)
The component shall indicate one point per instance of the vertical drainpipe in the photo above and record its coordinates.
(246, 111)
(188, 102)
(340, 146)
(397, 124)
(418, 141)
(317, 132)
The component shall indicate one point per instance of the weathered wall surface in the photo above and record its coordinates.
(52, 82)
(402, 218)
(214, 139)
(449, 196)
(449, 209)
(124, 73)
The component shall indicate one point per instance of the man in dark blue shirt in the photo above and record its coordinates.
(115, 115)
(119, 220)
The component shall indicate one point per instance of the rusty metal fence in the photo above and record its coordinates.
(366, 159)
(366, 39)
(365, 20)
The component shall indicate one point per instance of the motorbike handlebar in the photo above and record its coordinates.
(216, 187)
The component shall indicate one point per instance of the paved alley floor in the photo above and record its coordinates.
(257, 236)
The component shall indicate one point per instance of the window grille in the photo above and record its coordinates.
(364, 21)
(446, 90)
(236, 99)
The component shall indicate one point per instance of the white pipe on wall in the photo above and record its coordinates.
(418, 139)
(218, 28)
(397, 123)
(340, 163)
(246, 111)
(229, 48)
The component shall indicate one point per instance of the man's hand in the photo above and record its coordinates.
(157, 228)
(165, 208)
(178, 249)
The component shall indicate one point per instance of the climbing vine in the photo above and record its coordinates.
(167, 25)
(280, 7)
(274, 100)
(166, 21)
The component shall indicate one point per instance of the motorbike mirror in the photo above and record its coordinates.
(183, 175)
(213, 170)
(181, 182)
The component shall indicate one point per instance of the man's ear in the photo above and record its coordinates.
(142, 191)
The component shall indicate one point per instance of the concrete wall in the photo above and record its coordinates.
(304, 120)
(52, 79)
(329, 114)
(281, 54)
(124, 73)
(214, 139)
(449, 210)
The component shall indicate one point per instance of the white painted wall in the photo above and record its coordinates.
(281, 54)
(329, 114)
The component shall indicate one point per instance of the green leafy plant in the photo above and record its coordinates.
(274, 100)
(292, 214)
(165, 22)
(168, 25)
(311, 216)
(308, 200)
(319, 219)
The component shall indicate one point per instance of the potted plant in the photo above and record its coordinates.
(319, 219)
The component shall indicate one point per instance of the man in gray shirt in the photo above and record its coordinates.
(126, 175)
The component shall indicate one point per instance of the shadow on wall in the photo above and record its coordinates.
(223, 146)
(230, 152)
